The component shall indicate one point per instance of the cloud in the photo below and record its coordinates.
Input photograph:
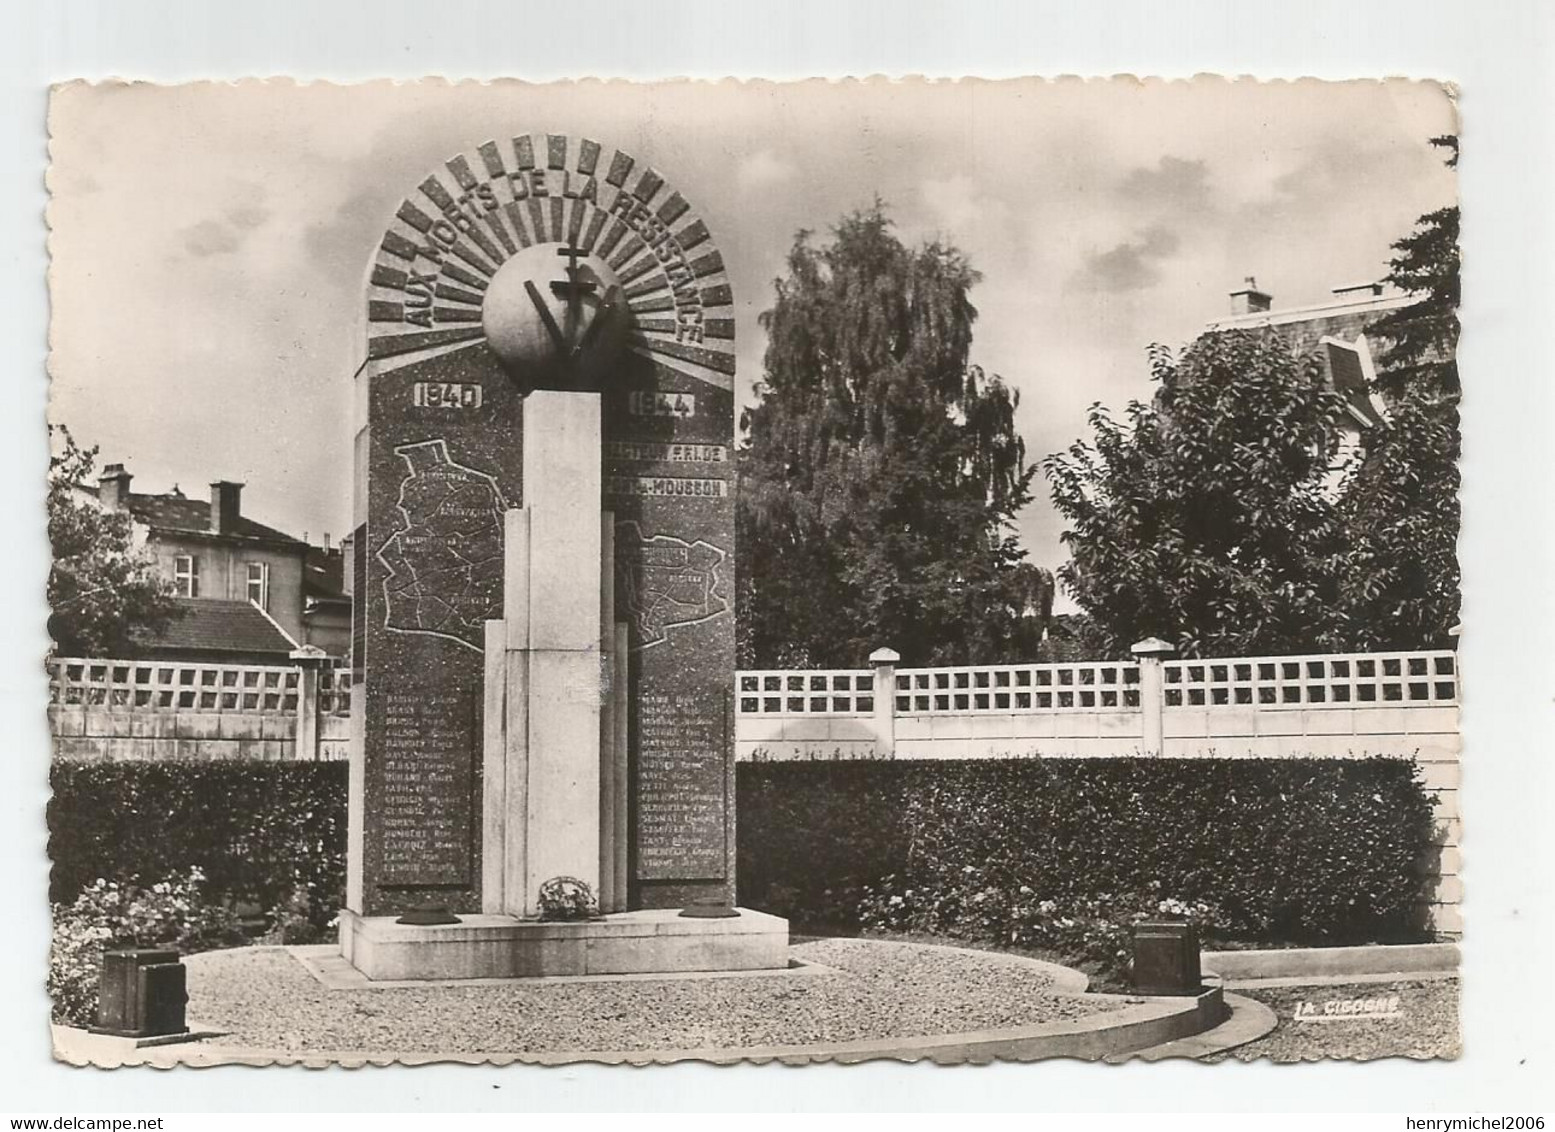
(78, 182)
(1129, 266)
(978, 223)
(952, 201)
(210, 237)
(1341, 169)
(225, 234)
(345, 241)
(1173, 185)
(763, 170)
(247, 216)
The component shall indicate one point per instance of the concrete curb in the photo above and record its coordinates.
(1332, 962)
(1249, 1020)
(1338, 980)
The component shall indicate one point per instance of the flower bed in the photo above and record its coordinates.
(107, 915)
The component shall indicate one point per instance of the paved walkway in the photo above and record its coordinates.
(846, 999)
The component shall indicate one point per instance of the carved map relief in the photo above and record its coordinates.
(444, 558)
(668, 582)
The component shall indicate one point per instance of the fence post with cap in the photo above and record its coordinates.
(884, 661)
(308, 659)
(1150, 652)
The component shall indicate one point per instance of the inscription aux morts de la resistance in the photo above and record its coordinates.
(463, 214)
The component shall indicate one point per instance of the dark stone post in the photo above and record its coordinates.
(141, 994)
(1166, 958)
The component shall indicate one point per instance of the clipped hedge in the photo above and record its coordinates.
(268, 834)
(1301, 850)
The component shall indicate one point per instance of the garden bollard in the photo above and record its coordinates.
(1166, 958)
(141, 994)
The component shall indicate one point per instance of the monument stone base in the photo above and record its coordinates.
(658, 941)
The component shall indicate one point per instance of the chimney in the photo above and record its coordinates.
(1249, 299)
(224, 506)
(113, 487)
(326, 542)
(348, 565)
(1359, 291)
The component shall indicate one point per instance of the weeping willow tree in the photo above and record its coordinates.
(881, 471)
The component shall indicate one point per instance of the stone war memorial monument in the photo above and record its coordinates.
(543, 637)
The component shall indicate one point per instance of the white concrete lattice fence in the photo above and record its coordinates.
(153, 710)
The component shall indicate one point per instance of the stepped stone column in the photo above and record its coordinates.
(557, 639)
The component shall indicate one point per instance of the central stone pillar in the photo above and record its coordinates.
(542, 761)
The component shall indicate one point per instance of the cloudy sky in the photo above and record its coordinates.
(209, 242)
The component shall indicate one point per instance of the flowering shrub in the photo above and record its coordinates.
(108, 915)
(1096, 931)
(294, 920)
(1290, 850)
(566, 898)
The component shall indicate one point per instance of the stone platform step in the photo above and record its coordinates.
(505, 947)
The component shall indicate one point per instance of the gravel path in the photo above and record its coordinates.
(266, 999)
(1425, 1025)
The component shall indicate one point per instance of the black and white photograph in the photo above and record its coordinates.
(755, 571)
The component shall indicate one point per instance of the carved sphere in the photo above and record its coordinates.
(554, 320)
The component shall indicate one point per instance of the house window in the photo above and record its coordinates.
(259, 584)
(186, 575)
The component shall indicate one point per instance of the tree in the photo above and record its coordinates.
(1421, 340)
(881, 471)
(1401, 503)
(1203, 519)
(101, 588)
(1401, 514)
(1209, 519)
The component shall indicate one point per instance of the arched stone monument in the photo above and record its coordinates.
(543, 633)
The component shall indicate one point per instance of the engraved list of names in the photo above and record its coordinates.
(680, 787)
(425, 788)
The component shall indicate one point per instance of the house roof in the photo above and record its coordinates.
(176, 512)
(323, 575)
(1346, 366)
(193, 516)
(1305, 327)
(1333, 332)
(219, 626)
